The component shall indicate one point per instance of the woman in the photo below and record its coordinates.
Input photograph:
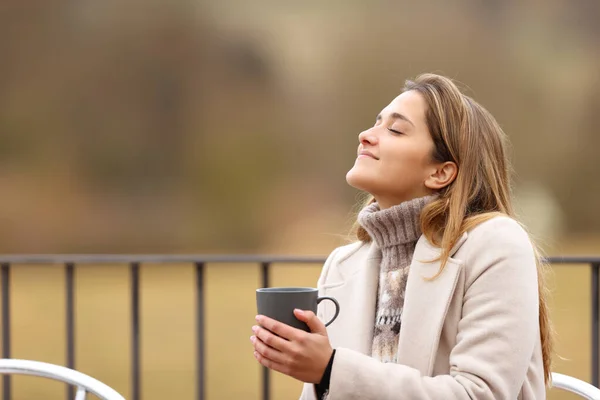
(442, 296)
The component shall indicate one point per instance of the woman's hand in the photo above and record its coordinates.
(291, 351)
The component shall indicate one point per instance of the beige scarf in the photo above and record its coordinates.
(395, 231)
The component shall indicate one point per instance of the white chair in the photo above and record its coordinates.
(84, 383)
(576, 386)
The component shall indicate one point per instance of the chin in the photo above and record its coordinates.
(359, 181)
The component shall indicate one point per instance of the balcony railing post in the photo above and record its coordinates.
(6, 389)
(201, 386)
(266, 375)
(70, 320)
(595, 322)
(135, 330)
(265, 274)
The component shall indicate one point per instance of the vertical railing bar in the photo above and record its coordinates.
(266, 375)
(6, 381)
(265, 274)
(200, 338)
(135, 330)
(595, 323)
(70, 319)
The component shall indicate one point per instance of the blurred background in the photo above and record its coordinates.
(227, 127)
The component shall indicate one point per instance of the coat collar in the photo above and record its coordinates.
(358, 269)
(426, 251)
(419, 335)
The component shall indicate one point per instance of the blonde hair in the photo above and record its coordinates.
(467, 134)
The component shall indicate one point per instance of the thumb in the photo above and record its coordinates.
(314, 323)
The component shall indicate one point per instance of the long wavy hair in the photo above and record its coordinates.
(466, 133)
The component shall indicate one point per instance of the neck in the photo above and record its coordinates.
(386, 202)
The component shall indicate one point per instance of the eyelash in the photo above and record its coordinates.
(395, 131)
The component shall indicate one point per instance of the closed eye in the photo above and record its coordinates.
(395, 131)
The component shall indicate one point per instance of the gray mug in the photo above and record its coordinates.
(279, 303)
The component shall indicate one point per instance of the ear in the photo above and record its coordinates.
(443, 175)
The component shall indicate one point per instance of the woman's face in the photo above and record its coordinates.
(394, 161)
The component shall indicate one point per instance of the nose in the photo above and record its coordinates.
(367, 138)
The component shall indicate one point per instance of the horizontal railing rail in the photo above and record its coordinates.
(135, 262)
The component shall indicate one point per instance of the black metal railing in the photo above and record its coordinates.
(136, 262)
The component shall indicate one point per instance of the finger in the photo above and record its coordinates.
(270, 339)
(314, 323)
(278, 328)
(271, 364)
(267, 351)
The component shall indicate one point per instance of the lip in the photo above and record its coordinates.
(365, 153)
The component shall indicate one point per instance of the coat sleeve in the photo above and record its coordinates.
(308, 390)
(496, 336)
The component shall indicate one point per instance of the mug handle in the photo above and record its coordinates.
(337, 307)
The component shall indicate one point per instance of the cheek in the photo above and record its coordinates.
(408, 158)
(408, 165)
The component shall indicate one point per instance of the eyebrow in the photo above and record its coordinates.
(396, 115)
